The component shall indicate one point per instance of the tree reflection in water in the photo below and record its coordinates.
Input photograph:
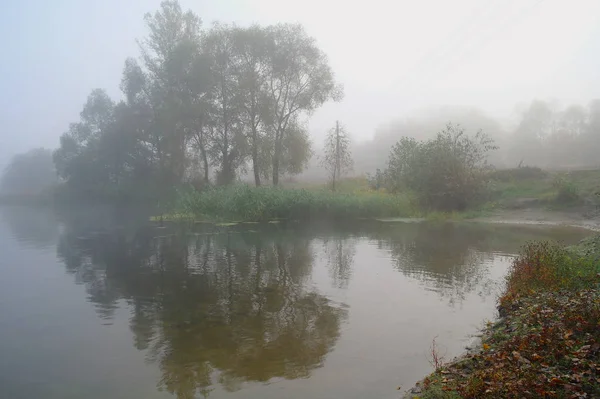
(31, 226)
(454, 259)
(340, 252)
(208, 308)
(228, 307)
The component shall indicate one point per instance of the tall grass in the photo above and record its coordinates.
(546, 266)
(245, 203)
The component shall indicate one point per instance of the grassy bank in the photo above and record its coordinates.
(547, 343)
(245, 203)
(523, 187)
(508, 189)
(534, 187)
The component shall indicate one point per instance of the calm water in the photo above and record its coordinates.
(100, 304)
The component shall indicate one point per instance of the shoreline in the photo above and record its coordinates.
(527, 312)
(528, 217)
(473, 348)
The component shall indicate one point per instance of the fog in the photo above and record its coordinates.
(395, 59)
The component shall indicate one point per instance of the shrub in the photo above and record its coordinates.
(447, 173)
(547, 266)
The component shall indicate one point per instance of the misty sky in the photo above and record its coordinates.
(392, 56)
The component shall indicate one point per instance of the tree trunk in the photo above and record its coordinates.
(337, 167)
(201, 143)
(276, 157)
(226, 170)
(205, 162)
(333, 181)
(255, 164)
(275, 170)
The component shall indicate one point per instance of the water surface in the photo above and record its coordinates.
(99, 303)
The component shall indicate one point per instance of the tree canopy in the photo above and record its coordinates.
(200, 106)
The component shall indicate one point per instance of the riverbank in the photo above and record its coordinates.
(546, 343)
(520, 195)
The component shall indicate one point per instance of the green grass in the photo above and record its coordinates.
(245, 203)
(353, 198)
(358, 184)
(550, 189)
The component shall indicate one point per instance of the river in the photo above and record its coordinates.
(98, 303)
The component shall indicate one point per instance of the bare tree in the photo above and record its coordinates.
(338, 158)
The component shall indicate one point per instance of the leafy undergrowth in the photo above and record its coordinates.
(588, 248)
(547, 345)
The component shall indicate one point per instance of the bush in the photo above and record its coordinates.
(547, 266)
(447, 173)
(245, 203)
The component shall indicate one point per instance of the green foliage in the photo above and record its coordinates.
(446, 173)
(337, 159)
(547, 266)
(245, 203)
(435, 390)
(553, 189)
(566, 190)
(588, 248)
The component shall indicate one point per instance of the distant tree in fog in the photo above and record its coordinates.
(537, 122)
(337, 158)
(592, 133)
(29, 173)
(550, 137)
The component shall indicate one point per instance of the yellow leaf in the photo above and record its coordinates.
(486, 347)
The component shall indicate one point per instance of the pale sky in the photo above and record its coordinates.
(392, 56)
